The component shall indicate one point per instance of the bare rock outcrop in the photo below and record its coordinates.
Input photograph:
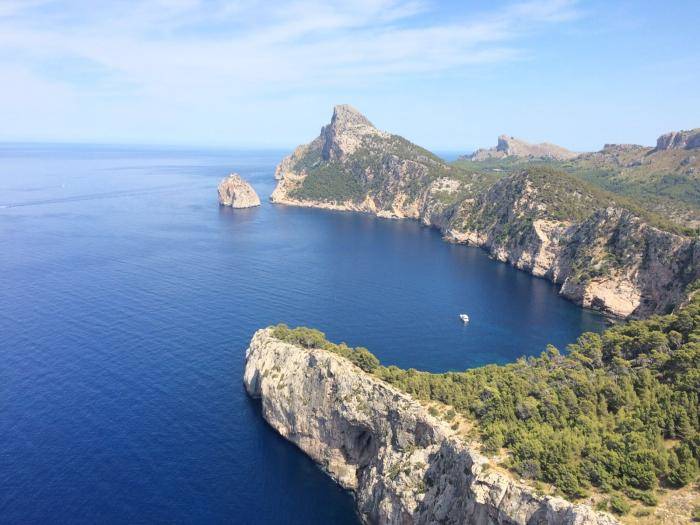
(402, 465)
(508, 146)
(686, 139)
(237, 193)
(346, 131)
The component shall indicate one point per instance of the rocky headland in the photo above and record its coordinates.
(605, 254)
(508, 146)
(402, 465)
(237, 193)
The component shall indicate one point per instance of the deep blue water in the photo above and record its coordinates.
(127, 297)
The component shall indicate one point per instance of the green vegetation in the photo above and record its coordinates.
(361, 173)
(646, 497)
(619, 505)
(663, 188)
(565, 197)
(569, 198)
(504, 166)
(658, 188)
(311, 338)
(619, 412)
(662, 179)
(330, 181)
(554, 195)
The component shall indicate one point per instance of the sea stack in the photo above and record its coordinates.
(237, 193)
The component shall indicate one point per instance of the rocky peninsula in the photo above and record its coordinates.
(605, 253)
(402, 465)
(508, 146)
(237, 193)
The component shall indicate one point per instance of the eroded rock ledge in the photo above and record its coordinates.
(402, 465)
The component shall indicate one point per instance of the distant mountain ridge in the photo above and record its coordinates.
(664, 179)
(508, 146)
(607, 253)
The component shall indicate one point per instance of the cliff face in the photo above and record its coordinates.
(237, 193)
(689, 139)
(402, 465)
(508, 146)
(608, 260)
(540, 221)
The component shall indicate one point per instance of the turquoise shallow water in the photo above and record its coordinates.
(128, 297)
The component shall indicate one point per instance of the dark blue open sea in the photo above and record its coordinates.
(127, 298)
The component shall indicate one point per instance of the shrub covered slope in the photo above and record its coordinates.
(618, 412)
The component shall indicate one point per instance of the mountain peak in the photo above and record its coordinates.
(509, 146)
(346, 131)
(346, 116)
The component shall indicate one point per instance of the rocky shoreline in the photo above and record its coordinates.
(637, 290)
(402, 465)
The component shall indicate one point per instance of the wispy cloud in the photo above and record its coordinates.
(247, 45)
(186, 51)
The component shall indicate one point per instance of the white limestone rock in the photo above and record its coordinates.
(237, 193)
(403, 465)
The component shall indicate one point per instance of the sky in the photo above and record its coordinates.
(448, 75)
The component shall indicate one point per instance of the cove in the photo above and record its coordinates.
(128, 301)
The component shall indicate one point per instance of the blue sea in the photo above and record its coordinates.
(128, 297)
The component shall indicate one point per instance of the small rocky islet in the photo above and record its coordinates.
(236, 192)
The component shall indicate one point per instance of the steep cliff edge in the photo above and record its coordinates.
(604, 256)
(402, 465)
(542, 221)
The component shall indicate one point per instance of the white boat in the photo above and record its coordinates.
(464, 318)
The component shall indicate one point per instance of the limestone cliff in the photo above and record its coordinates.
(539, 220)
(402, 465)
(686, 139)
(508, 146)
(237, 193)
(605, 258)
